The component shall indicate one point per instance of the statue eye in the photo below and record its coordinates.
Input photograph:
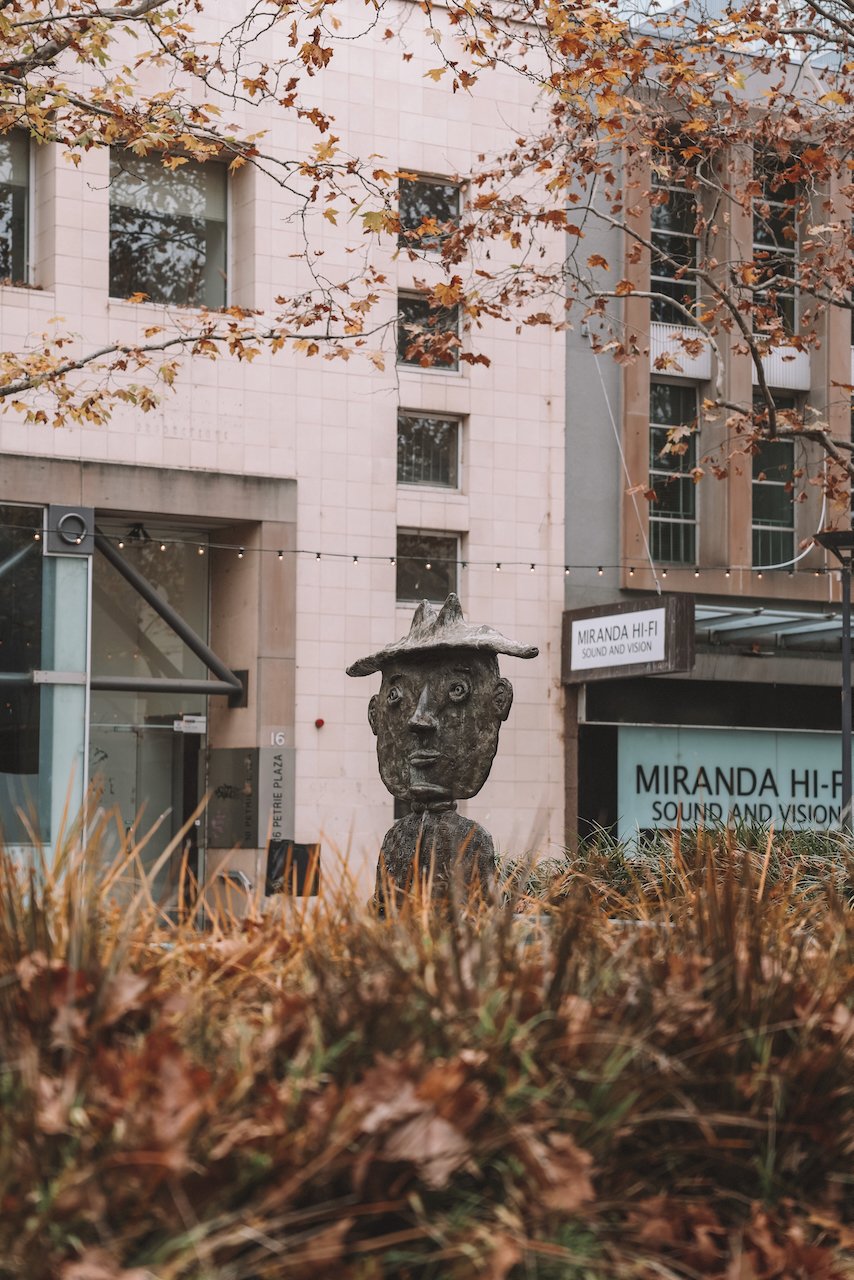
(459, 690)
(394, 696)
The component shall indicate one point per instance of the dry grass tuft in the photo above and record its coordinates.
(647, 1070)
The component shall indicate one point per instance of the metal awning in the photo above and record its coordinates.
(765, 628)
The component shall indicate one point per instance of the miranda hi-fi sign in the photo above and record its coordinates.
(641, 637)
(706, 776)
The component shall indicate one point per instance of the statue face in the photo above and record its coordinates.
(436, 719)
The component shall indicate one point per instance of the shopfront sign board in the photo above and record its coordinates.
(714, 776)
(648, 636)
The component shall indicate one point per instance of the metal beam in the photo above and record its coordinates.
(160, 684)
(226, 682)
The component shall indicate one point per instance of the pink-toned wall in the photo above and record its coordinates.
(331, 426)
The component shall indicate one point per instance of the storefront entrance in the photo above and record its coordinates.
(149, 780)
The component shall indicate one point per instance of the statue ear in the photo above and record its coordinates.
(372, 714)
(502, 697)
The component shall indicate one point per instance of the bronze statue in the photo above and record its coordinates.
(436, 719)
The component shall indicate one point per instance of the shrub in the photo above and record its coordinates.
(647, 1070)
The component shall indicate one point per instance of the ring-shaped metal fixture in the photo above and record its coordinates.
(72, 528)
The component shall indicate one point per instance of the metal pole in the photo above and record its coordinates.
(845, 576)
(160, 684)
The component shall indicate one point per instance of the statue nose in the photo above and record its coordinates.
(422, 718)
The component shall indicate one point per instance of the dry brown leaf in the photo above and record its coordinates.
(436, 1147)
(503, 1258)
(97, 1264)
(121, 995)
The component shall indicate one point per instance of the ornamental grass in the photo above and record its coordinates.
(644, 1069)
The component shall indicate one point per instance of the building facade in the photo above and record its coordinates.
(750, 731)
(280, 517)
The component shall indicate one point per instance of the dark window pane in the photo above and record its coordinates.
(429, 211)
(773, 508)
(659, 438)
(677, 213)
(427, 450)
(426, 566)
(20, 652)
(773, 460)
(772, 505)
(672, 405)
(672, 542)
(674, 496)
(773, 547)
(672, 516)
(14, 198)
(427, 336)
(167, 231)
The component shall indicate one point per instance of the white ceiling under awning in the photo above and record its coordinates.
(762, 627)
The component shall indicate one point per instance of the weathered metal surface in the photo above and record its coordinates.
(436, 719)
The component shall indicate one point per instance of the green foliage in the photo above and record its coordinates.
(646, 1070)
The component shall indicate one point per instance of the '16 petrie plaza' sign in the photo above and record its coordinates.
(648, 636)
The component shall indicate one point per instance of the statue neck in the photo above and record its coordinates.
(434, 806)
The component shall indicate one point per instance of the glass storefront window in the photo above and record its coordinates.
(20, 653)
(148, 776)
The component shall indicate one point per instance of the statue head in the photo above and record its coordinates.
(441, 704)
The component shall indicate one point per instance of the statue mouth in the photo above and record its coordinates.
(422, 759)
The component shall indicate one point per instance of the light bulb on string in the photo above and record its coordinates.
(317, 555)
(355, 559)
(497, 567)
(121, 545)
(281, 555)
(631, 573)
(240, 553)
(600, 571)
(392, 560)
(566, 570)
(201, 551)
(428, 566)
(664, 574)
(533, 567)
(726, 575)
(163, 546)
(37, 537)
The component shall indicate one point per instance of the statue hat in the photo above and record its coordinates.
(435, 629)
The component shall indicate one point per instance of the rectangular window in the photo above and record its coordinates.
(773, 508)
(428, 450)
(21, 592)
(426, 566)
(14, 207)
(429, 210)
(427, 336)
(672, 457)
(167, 231)
(675, 246)
(775, 243)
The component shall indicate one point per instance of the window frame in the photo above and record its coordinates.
(226, 224)
(457, 420)
(28, 222)
(436, 366)
(764, 175)
(783, 402)
(405, 601)
(656, 278)
(430, 246)
(661, 475)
